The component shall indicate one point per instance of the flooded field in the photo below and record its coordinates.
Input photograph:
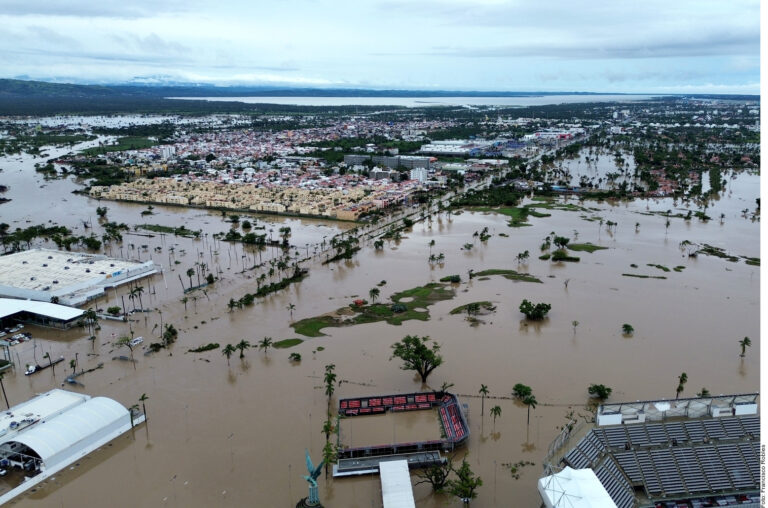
(234, 435)
(390, 428)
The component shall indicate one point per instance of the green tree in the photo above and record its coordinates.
(561, 241)
(627, 329)
(190, 273)
(143, 399)
(495, 412)
(531, 402)
(291, 307)
(600, 392)
(242, 346)
(437, 475)
(521, 391)
(265, 344)
(703, 393)
(374, 294)
(124, 342)
(483, 393)
(744, 343)
(228, 351)
(682, 379)
(534, 312)
(466, 484)
(417, 355)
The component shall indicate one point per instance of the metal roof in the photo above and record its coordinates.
(396, 489)
(63, 435)
(10, 306)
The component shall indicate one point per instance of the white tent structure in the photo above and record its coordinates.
(574, 488)
(52, 430)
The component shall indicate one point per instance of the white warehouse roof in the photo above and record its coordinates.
(66, 435)
(59, 427)
(11, 306)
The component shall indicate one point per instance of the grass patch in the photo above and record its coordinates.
(545, 257)
(679, 268)
(286, 343)
(487, 306)
(643, 276)
(660, 267)
(585, 247)
(207, 347)
(179, 231)
(420, 298)
(562, 255)
(752, 261)
(709, 250)
(310, 327)
(507, 274)
(455, 279)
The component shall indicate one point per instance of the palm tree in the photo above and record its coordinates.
(530, 401)
(228, 350)
(242, 346)
(143, 399)
(744, 343)
(291, 308)
(190, 273)
(73, 364)
(496, 411)
(139, 290)
(374, 294)
(682, 379)
(91, 318)
(265, 344)
(483, 392)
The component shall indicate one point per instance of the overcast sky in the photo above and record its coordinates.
(533, 45)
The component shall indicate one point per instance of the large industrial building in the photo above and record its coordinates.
(70, 278)
(686, 453)
(49, 432)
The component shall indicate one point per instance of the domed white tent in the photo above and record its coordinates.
(574, 488)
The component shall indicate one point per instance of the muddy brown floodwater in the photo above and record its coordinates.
(220, 435)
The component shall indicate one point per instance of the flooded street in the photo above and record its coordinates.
(220, 435)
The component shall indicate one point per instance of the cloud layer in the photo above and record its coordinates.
(653, 46)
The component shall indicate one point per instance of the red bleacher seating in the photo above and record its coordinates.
(365, 410)
(351, 412)
(387, 401)
(424, 406)
(343, 404)
(400, 400)
(354, 403)
(431, 397)
(374, 402)
(420, 398)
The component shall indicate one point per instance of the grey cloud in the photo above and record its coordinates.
(130, 9)
(711, 44)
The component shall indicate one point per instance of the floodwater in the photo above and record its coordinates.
(420, 102)
(390, 428)
(235, 435)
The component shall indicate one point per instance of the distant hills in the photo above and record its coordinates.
(21, 97)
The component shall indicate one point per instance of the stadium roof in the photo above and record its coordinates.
(11, 306)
